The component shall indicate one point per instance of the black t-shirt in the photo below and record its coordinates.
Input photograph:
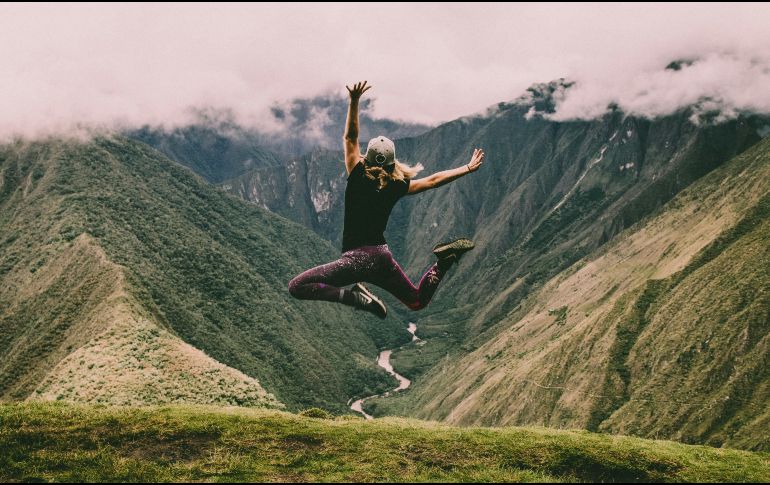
(367, 208)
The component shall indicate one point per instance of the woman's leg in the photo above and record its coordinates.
(325, 282)
(390, 277)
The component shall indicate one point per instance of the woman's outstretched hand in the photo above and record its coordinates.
(358, 90)
(476, 160)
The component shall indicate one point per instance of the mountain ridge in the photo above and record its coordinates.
(206, 268)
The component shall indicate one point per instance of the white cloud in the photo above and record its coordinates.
(726, 82)
(131, 64)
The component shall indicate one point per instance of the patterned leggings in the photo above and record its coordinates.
(371, 264)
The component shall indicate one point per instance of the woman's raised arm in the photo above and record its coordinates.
(350, 139)
(440, 178)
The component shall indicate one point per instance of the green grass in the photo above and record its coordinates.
(55, 442)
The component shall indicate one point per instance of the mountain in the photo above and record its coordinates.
(187, 444)
(218, 148)
(309, 190)
(304, 124)
(215, 150)
(549, 192)
(549, 195)
(662, 332)
(594, 238)
(126, 279)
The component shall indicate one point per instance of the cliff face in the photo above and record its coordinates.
(309, 190)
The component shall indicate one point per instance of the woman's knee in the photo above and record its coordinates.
(295, 287)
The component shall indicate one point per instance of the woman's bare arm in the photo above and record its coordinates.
(441, 178)
(350, 139)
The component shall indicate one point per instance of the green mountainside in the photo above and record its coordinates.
(216, 152)
(663, 332)
(120, 270)
(548, 194)
(550, 197)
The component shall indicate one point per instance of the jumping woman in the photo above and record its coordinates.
(375, 183)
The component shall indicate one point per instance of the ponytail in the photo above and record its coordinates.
(400, 171)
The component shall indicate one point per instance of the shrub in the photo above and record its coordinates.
(316, 413)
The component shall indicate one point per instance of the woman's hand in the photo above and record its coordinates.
(358, 90)
(476, 160)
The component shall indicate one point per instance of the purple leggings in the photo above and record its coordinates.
(371, 264)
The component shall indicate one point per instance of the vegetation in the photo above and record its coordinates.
(216, 151)
(560, 314)
(49, 442)
(664, 330)
(197, 263)
(638, 306)
(553, 197)
(316, 413)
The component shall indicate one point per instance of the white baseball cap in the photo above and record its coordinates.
(381, 152)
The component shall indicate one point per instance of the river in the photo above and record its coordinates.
(384, 361)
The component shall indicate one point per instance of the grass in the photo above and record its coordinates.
(55, 442)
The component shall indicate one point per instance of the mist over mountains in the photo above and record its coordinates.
(218, 148)
(121, 67)
(308, 123)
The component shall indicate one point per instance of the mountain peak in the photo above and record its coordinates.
(679, 64)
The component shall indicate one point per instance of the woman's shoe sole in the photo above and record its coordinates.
(443, 249)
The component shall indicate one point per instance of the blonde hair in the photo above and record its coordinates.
(400, 172)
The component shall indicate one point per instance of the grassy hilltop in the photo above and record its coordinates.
(55, 442)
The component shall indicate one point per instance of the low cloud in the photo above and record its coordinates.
(108, 66)
(725, 83)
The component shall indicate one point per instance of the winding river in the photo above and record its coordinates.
(384, 361)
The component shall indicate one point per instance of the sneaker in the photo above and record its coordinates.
(366, 300)
(453, 250)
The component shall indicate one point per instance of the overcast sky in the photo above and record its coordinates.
(135, 64)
